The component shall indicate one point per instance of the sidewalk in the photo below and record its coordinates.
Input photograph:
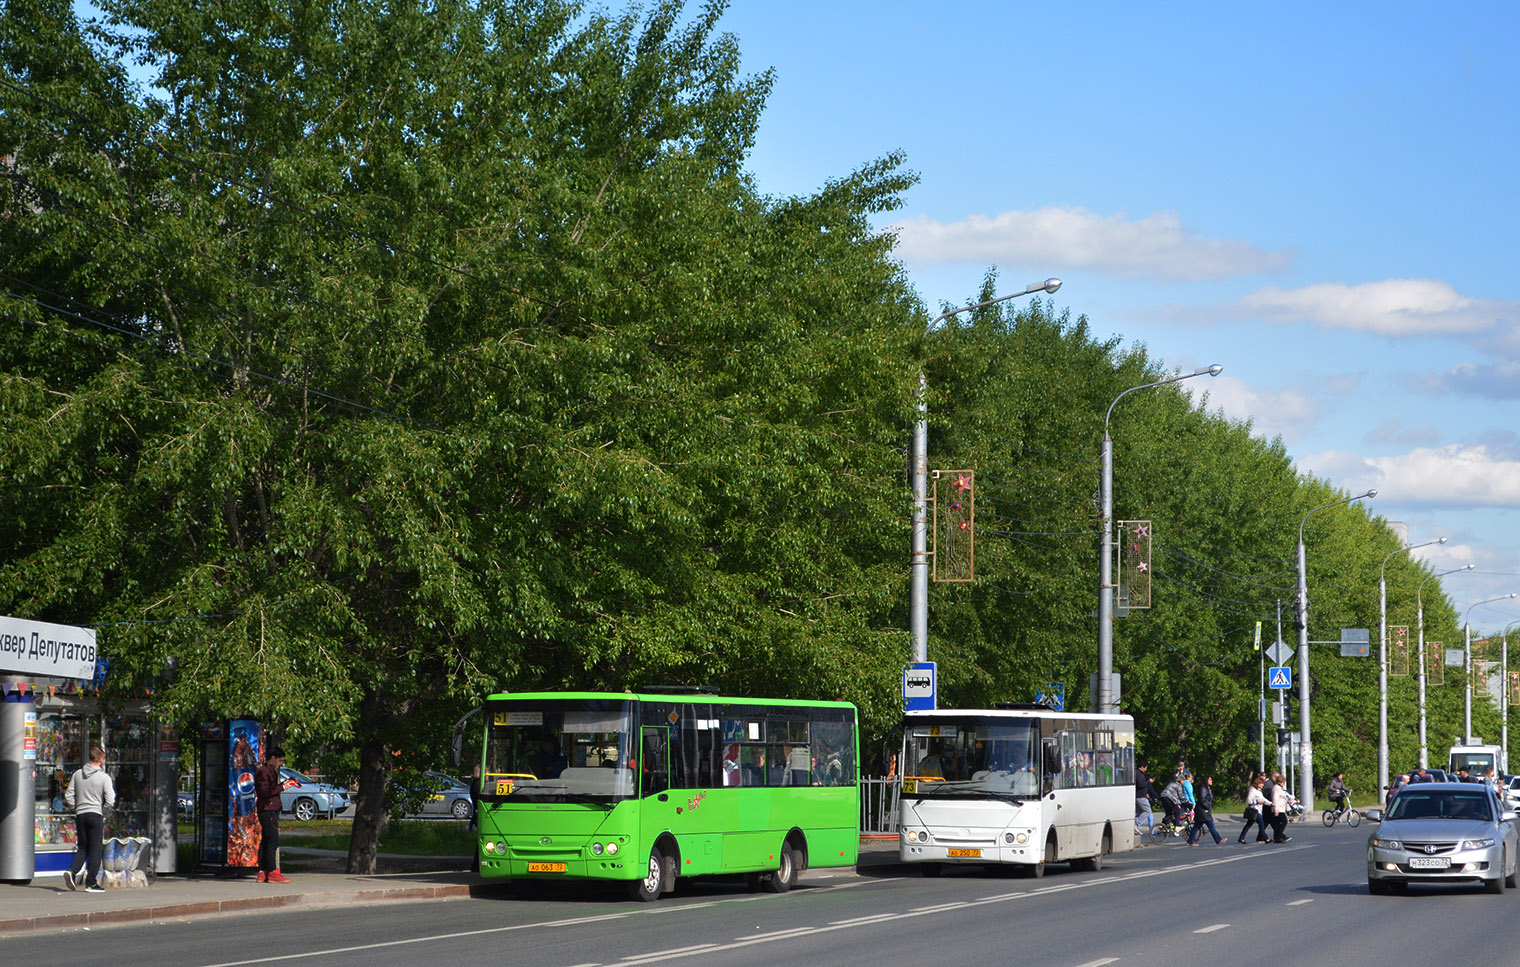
(46, 904)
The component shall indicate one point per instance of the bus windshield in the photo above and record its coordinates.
(1476, 763)
(973, 756)
(570, 750)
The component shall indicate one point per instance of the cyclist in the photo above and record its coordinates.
(1171, 801)
(1337, 792)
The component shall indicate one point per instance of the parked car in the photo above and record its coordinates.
(185, 801)
(306, 799)
(1440, 832)
(447, 796)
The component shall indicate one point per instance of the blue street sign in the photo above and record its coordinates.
(919, 687)
(1053, 697)
(1279, 676)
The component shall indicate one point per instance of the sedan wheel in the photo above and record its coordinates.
(461, 809)
(304, 809)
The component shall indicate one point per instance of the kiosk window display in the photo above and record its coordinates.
(66, 725)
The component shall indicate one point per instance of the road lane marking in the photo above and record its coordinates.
(1299, 903)
(1211, 928)
(716, 948)
(671, 954)
(674, 950)
(1101, 962)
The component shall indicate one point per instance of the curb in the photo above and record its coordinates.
(207, 907)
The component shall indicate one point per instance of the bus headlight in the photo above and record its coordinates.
(596, 849)
(611, 849)
(1021, 837)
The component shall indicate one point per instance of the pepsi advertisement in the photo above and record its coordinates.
(245, 742)
(227, 820)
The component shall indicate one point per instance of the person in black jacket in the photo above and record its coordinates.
(1143, 792)
(1203, 813)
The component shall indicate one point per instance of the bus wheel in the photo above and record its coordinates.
(648, 889)
(786, 877)
(1104, 847)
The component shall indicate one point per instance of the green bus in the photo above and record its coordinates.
(643, 788)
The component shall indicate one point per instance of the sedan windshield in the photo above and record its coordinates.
(1417, 804)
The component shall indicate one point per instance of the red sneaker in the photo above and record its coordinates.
(263, 876)
(277, 877)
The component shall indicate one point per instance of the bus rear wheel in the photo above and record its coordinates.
(648, 889)
(786, 876)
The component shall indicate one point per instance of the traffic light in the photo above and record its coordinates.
(1253, 731)
(1283, 735)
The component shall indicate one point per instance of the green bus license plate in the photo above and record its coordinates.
(966, 852)
(546, 867)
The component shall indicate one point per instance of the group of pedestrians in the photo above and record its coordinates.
(1184, 802)
(1267, 805)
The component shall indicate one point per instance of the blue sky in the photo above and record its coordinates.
(1322, 198)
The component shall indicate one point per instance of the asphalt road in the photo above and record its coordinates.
(1305, 901)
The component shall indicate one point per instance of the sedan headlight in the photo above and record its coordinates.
(1476, 843)
(1387, 843)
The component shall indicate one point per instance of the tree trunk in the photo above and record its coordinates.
(370, 817)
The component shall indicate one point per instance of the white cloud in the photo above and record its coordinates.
(1155, 246)
(1392, 432)
(1393, 307)
(1288, 412)
(1460, 475)
(1499, 381)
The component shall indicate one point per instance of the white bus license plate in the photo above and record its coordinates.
(1429, 862)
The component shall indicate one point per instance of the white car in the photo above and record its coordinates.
(1512, 792)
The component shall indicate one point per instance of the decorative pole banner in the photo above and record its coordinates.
(1135, 563)
(954, 525)
(46, 650)
(1435, 663)
(1398, 651)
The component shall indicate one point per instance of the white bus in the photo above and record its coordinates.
(1018, 784)
(1476, 758)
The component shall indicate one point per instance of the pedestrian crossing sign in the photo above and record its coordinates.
(1279, 676)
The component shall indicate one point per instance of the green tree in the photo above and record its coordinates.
(439, 349)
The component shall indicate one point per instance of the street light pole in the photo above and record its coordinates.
(1305, 743)
(1106, 544)
(1467, 732)
(1383, 659)
(918, 618)
(1420, 618)
(1504, 703)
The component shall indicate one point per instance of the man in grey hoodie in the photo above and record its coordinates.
(90, 794)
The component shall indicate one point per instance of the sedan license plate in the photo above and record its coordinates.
(1429, 862)
(966, 852)
(546, 867)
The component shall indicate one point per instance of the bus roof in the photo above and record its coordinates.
(1025, 711)
(676, 697)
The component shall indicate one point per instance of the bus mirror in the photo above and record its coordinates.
(1052, 755)
(457, 743)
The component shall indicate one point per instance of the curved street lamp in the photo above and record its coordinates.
(1420, 617)
(1105, 550)
(918, 619)
(1305, 744)
(1467, 663)
(1383, 659)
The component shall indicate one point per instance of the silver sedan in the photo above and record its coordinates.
(1442, 832)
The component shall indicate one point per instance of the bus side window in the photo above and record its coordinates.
(656, 777)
